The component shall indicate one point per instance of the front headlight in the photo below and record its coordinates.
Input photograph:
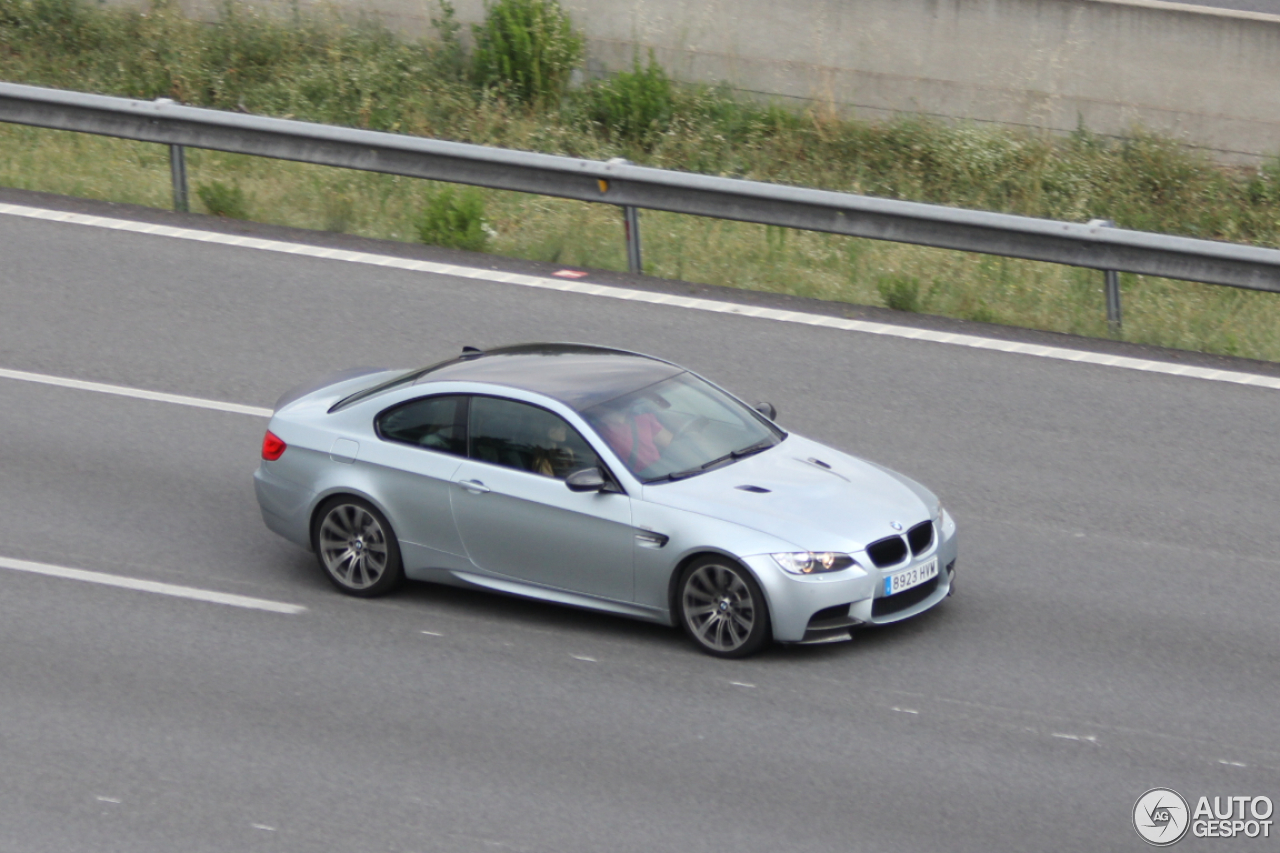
(809, 563)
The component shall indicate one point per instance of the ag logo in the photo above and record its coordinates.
(1161, 817)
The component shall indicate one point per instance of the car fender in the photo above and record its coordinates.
(688, 535)
(355, 482)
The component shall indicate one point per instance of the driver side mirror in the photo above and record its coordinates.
(586, 480)
(768, 410)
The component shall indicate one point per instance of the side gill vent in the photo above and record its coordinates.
(755, 489)
(820, 463)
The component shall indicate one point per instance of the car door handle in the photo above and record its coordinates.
(474, 486)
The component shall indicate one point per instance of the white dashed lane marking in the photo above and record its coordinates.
(136, 393)
(1081, 738)
(155, 587)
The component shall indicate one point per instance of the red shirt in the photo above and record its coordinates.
(634, 441)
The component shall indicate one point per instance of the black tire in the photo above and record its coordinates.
(722, 609)
(356, 547)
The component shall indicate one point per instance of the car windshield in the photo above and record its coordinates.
(679, 427)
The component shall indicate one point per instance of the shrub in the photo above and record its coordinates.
(454, 219)
(899, 291)
(527, 48)
(225, 200)
(633, 106)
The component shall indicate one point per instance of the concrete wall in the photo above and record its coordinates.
(1207, 76)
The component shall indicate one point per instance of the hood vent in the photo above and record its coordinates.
(754, 489)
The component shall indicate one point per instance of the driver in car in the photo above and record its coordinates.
(555, 458)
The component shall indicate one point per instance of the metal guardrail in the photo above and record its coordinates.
(1095, 245)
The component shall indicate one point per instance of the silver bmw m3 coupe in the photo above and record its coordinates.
(603, 479)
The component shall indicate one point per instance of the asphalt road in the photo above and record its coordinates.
(1115, 627)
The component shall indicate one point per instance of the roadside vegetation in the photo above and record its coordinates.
(511, 83)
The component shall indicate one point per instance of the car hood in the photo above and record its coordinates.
(843, 507)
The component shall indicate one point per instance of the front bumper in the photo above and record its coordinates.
(823, 607)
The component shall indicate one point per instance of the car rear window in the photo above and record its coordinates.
(434, 423)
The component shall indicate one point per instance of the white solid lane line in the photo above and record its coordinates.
(136, 393)
(151, 586)
(609, 292)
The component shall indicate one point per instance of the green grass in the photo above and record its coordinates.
(355, 73)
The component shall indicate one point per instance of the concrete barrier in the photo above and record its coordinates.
(1206, 76)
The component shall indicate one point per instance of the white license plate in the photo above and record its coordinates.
(907, 578)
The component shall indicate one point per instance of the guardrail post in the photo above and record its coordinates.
(1112, 279)
(178, 170)
(1113, 299)
(631, 221)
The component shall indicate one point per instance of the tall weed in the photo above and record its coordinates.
(527, 49)
(633, 106)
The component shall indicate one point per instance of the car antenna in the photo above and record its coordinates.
(471, 352)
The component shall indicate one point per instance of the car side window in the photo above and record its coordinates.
(435, 423)
(526, 437)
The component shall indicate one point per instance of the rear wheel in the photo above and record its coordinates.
(357, 548)
(722, 608)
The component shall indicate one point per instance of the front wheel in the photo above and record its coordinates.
(356, 547)
(722, 608)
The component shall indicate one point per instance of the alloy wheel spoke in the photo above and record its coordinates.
(717, 579)
(732, 627)
(698, 596)
(332, 529)
(721, 627)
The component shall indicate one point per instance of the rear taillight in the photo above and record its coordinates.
(272, 446)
